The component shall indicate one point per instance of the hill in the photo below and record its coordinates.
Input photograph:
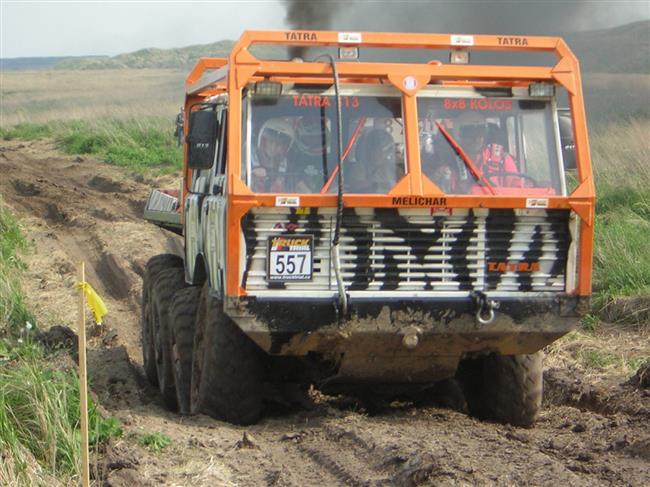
(179, 58)
(623, 49)
(36, 63)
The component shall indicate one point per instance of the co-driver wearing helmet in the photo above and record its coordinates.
(490, 158)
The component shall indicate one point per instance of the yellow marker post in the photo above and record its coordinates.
(83, 383)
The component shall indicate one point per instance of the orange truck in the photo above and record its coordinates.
(364, 225)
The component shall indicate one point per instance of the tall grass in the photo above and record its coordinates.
(621, 155)
(39, 404)
(39, 420)
(13, 310)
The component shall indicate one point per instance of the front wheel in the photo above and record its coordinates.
(226, 367)
(167, 283)
(181, 333)
(154, 267)
(504, 388)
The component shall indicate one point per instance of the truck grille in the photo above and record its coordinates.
(413, 250)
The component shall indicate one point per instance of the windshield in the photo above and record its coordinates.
(290, 146)
(489, 145)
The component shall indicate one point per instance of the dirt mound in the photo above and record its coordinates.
(641, 378)
(59, 338)
(106, 185)
(25, 188)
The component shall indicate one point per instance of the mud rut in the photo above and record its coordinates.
(76, 208)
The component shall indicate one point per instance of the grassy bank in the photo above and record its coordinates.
(138, 144)
(620, 155)
(39, 402)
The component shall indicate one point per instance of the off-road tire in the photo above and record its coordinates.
(154, 266)
(182, 319)
(165, 285)
(503, 388)
(227, 371)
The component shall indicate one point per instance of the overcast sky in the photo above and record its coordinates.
(68, 28)
(71, 28)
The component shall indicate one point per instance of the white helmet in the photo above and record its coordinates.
(313, 135)
(277, 127)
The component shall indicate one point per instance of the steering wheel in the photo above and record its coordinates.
(500, 174)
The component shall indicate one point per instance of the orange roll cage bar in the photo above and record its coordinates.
(213, 76)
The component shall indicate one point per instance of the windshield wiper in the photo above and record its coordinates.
(475, 171)
(362, 122)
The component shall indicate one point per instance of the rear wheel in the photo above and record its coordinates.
(226, 367)
(166, 284)
(504, 388)
(155, 265)
(183, 318)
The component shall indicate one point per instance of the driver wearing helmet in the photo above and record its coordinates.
(490, 158)
(269, 173)
(377, 167)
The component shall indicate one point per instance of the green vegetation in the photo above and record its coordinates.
(136, 144)
(13, 311)
(39, 418)
(39, 403)
(595, 358)
(622, 253)
(155, 441)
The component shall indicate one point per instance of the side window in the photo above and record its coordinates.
(219, 173)
(201, 177)
(222, 142)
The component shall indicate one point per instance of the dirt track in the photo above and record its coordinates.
(77, 209)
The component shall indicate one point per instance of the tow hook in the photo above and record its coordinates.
(411, 337)
(484, 308)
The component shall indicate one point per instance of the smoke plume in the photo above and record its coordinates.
(533, 17)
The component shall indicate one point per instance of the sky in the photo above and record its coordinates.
(78, 28)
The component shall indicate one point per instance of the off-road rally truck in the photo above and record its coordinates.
(364, 225)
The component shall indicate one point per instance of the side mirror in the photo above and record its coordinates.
(202, 140)
(566, 140)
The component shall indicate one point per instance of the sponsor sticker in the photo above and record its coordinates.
(441, 211)
(536, 202)
(290, 258)
(410, 83)
(458, 40)
(350, 37)
(287, 201)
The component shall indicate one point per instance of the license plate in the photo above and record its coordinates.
(290, 258)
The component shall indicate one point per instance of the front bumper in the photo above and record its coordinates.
(396, 339)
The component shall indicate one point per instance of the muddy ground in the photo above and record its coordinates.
(594, 428)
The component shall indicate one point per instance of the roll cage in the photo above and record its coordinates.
(213, 76)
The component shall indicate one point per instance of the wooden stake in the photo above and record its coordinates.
(83, 383)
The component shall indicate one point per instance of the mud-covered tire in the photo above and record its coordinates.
(227, 372)
(504, 388)
(182, 319)
(165, 285)
(154, 266)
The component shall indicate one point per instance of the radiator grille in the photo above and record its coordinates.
(411, 250)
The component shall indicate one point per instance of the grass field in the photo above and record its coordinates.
(122, 94)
